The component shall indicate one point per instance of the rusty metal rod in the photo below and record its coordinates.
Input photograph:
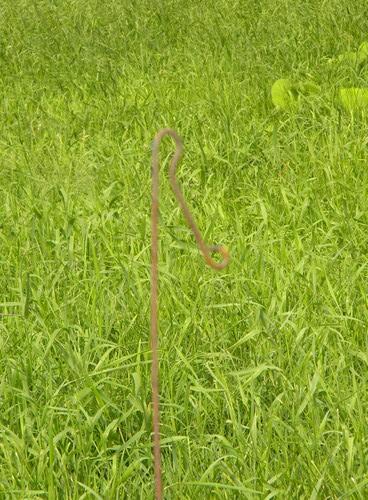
(206, 251)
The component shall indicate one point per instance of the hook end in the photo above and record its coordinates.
(223, 251)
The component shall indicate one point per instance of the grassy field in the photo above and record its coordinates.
(264, 386)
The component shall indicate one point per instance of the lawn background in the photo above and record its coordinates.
(264, 365)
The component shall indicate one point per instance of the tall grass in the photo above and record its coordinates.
(264, 387)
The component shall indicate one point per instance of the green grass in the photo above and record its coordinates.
(264, 386)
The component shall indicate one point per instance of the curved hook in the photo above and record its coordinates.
(206, 251)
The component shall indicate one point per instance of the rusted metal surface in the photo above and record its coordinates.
(207, 252)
